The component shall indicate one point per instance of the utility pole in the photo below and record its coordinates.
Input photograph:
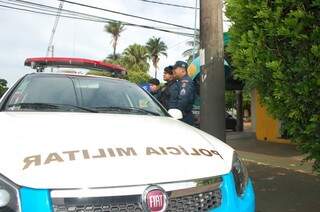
(195, 31)
(55, 25)
(212, 87)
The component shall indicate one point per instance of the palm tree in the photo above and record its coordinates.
(195, 46)
(114, 28)
(156, 48)
(136, 56)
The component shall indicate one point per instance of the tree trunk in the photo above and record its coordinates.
(115, 47)
(239, 111)
(155, 72)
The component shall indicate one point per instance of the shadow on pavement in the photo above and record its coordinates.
(246, 141)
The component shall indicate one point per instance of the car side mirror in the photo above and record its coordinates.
(175, 113)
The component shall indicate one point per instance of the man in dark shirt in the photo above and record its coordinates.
(170, 90)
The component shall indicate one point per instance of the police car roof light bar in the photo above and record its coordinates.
(39, 63)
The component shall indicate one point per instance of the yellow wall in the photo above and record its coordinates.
(267, 128)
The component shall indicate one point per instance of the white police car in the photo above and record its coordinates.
(74, 142)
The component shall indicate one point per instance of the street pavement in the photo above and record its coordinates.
(268, 153)
(282, 183)
(284, 190)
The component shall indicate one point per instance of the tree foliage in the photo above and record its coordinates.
(156, 47)
(136, 56)
(135, 59)
(275, 48)
(114, 28)
(99, 73)
(194, 48)
(3, 86)
(231, 99)
(138, 76)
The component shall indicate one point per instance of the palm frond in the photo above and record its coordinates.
(156, 48)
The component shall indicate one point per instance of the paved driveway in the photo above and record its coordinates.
(282, 190)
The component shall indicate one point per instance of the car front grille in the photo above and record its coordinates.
(196, 202)
(201, 198)
(99, 204)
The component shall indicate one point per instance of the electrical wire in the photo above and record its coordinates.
(169, 4)
(126, 14)
(88, 17)
(179, 43)
(21, 2)
(47, 8)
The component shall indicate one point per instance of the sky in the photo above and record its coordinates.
(26, 34)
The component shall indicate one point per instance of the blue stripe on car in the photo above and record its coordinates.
(38, 200)
(231, 201)
(35, 200)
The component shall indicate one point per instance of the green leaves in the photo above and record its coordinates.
(275, 47)
(114, 28)
(156, 48)
(315, 50)
(3, 86)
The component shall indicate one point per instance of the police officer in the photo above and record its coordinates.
(170, 90)
(186, 95)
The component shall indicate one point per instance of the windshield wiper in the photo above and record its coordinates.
(129, 109)
(37, 105)
(145, 111)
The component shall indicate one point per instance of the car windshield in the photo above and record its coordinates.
(53, 92)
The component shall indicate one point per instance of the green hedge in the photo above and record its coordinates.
(275, 48)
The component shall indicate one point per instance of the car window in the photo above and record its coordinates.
(44, 90)
(97, 93)
(88, 94)
(101, 92)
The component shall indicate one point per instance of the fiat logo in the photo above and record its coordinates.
(154, 199)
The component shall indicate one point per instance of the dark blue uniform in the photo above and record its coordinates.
(186, 98)
(169, 94)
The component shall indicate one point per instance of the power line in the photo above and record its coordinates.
(179, 43)
(41, 7)
(21, 2)
(55, 25)
(125, 14)
(92, 18)
(169, 4)
(100, 21)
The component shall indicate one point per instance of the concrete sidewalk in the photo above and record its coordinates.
(267, 153)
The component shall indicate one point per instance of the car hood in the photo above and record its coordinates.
(88, 150)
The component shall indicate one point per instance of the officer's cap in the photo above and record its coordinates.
(181, 64)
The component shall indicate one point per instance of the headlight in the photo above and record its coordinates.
(240, 174)
(9, 196)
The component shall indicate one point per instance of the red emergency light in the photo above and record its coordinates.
(39, 63)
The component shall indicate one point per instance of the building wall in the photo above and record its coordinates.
(267, 128)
